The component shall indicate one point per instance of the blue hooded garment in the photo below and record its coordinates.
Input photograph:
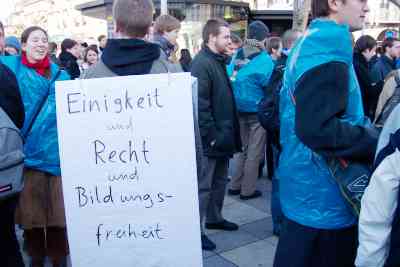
(248, 85)
(41, 144)
(309, 194)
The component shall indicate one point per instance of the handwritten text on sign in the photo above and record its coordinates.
(128, 169)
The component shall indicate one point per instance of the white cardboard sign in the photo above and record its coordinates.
(128, 165)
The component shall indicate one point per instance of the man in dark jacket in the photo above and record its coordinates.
(364, 50)
(11, 103)
(219, 125)
(386, 63)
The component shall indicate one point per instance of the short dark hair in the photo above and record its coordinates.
(52, 47)
(95, 47)
(236, 39)
(101, 37)
(320, 8)
(27, 32)
(68, 44)
(212, 27)
(388, 43)
(1, 26)
(363, 43)
(273, 43)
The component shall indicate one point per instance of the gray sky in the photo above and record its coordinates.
(6, 8)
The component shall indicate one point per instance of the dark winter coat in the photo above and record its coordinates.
(382, 68)
(10, 96)
(369, 91)
(69, 63)
(218, 120)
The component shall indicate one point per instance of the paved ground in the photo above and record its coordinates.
(253, 245)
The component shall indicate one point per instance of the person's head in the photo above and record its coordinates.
(53, 48)
(217, 35)
(1, 38)
(168, 27)
(185, 56)
(91, 55)
(391, 48)
(289, 37)
(258, 31)
(133, 18)
(102, 39)
(350, 12)
(12, 45)
(71, 46)
(236, 43)
(274, 47)
(366, 45)
(35, 44)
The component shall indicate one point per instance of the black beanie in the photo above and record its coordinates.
(258, 30)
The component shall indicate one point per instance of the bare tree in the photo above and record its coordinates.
(301, 12)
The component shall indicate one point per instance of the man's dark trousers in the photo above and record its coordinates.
(301, 246)
(212, 185)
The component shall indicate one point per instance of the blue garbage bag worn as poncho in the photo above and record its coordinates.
(250, 80)
(309, 194)
(41, 144)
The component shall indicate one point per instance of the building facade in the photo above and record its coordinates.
(192, 13)
(84, 20)
(58, 17)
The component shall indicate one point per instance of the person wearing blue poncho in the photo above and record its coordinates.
(321, 114)
(249, 72)
(41, 208)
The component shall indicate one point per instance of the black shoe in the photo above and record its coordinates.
(256, 194)
(233, 192)
(207, 244)
(224, 225)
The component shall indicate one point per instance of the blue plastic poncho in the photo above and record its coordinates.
(309, 195)
(41, 144)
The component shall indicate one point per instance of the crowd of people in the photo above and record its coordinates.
(296, 103)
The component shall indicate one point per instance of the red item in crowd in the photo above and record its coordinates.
(40, 67)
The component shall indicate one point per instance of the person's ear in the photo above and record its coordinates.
(334, 5)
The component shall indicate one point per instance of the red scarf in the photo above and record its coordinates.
(40, 67)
